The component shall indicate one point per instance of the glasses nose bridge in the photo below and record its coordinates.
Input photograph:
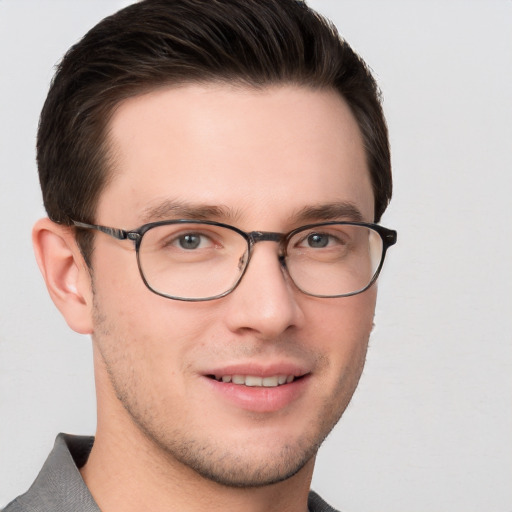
(264, 236)
(267, 236)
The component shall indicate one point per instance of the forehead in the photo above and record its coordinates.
(249, 151)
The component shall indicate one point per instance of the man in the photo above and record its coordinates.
(212, 173)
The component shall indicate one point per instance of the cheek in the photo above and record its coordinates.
(342, 329)
(135, 324)
(345, 321)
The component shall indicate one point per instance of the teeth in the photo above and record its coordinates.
(270, 382)
(255, 381)
(238, 379)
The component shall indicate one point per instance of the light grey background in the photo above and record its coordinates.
(430, 427)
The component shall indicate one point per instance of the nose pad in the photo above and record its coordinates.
(242, 260)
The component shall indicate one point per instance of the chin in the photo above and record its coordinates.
(246, 470)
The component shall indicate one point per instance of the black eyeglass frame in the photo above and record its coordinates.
(388, 236)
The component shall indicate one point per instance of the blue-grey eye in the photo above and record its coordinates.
(190, 241)
(318, 240)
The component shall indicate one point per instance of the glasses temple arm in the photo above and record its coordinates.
(120, 234)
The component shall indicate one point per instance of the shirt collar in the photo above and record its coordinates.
(59, 487)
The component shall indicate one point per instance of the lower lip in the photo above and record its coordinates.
(260, 399)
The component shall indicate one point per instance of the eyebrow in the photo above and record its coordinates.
(343, 210)
(175, 209)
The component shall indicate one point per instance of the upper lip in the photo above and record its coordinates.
(259, 370)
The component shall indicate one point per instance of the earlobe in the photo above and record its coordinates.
(65, 273)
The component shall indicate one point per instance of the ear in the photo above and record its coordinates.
(65, 272)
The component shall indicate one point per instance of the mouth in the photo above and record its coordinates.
(255, 381)
(258, 389)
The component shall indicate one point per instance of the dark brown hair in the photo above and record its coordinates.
(158, 42)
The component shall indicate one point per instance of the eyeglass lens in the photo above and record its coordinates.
(199, 261)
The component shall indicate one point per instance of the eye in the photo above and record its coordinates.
(314, 240)
(191, 241)
(317, 240)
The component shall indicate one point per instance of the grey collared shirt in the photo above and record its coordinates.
(59, 487)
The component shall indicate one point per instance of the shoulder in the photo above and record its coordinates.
(59, 486)
(14, 506)
(317, 504)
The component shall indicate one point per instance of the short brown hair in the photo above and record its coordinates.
(158, 42)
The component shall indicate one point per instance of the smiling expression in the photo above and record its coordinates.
(242, 389)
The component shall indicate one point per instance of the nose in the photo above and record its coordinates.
(264, 304)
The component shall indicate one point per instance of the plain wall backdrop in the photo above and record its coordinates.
(430, 427)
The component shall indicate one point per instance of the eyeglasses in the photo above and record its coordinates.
(195, 260)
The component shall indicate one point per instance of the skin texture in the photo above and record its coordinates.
(165, 427)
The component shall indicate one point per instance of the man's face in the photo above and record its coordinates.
(261, 158)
